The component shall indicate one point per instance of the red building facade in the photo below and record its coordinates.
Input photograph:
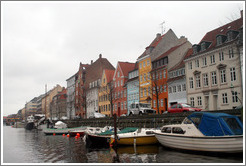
(120, 90)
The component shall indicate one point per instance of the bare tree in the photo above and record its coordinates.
(158, 85)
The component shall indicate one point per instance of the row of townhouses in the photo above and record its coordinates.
(207, 75)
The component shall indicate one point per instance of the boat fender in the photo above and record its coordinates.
(68, 135)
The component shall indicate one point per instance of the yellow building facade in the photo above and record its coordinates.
(145, 90)
(104, 93)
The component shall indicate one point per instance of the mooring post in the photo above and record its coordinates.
(115, 131)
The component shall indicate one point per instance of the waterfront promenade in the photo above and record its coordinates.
(149, 121)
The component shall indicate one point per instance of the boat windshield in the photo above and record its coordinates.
(233, 124)
(186, 105)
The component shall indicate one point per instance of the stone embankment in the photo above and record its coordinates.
(149, 121)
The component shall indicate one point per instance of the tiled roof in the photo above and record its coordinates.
(211, 36)
(169, 80)
(169, 51)
(109, 74)
(126, 67)
(154, 43)
(94, 71)
(182, 64)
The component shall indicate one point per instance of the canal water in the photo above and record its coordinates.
(23, 146)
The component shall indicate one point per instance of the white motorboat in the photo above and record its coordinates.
(203, 131)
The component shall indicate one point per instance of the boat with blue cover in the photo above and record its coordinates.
(204, 131)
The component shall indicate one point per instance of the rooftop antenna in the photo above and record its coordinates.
(162, 27)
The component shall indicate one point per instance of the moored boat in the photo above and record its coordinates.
(138, 136)
(30, 123)
(203, 131)
(81, 131)
(60, 128)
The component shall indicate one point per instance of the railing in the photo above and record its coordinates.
(151, 121)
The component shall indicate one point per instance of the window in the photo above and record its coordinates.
(178, 130)
(160, 74)
(203, 46)
(161, 102)
(141, 78)
(197, 62)
(192, 101)
(204, 61)
(141, 92)
(145, 93)
(199, 100)
(233, 74)
(140, 65)
(179, 88)
(223, 76)
(229, 36)
(156, 76)
(118, 83)
(219, 40)
(224, 98)
(231, 54)
(147, 62)
(121, 83)
(125, 93)
(190, 65)
(198, 81)
(115, 85)
(191, 82)
(221, 56)
(153, 76)
(164, 73)
(121, 94)
(170, 89)
(234, 97)
(205, 79)
(154, 103)
(174, 89)
(214, 78)
(153, 90)
(125, 104)
(143, 64)
(118, 74)
(161, 89)
(149, 90)
(166, 130)
(212, 58)
(165, 88)
(121, 106)
(144, 77)
(184, 87)
(148, 76)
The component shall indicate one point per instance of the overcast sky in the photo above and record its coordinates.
(44, 42)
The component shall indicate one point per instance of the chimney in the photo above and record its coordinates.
(100, 56)
(158, 36)
(241, 12)
(91, 61)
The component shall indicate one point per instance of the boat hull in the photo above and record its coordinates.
(29, 126)
(138, 140)
(50, 131)
(224, 144)
(99, 140)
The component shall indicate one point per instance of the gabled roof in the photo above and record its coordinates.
(154, 43)
(169, 51)
(95, 70)
(126, 67)
(109, 74)
(182, 64)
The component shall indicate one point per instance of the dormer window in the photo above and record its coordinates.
(231, 35)
(195, 49)
(203, 46)
(219, 40)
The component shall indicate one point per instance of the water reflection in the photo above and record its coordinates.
(21, 146)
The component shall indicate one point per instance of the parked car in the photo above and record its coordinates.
(141, 108)
(97, 115)
(182, 107)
